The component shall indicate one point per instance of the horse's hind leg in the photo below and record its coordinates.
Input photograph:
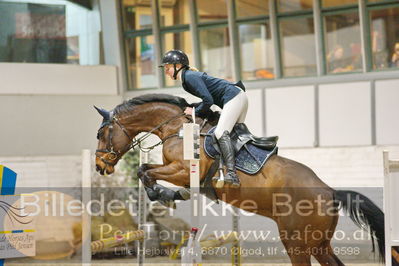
(300, 260)
(326, 257)
(296, 250)
(324, 252)
(298, 255)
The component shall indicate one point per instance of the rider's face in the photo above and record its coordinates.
(169, 69)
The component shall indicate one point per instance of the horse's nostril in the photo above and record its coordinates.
(98, 168)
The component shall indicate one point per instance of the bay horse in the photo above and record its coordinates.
(303, 206)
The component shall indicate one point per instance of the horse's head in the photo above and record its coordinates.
(113, 141)
(158, 114)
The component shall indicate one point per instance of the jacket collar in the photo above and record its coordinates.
(182, 75)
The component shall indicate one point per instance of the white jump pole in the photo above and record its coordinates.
(142, 213)
(191, 255)
(86, 198)
(391, 208)
(236, 249)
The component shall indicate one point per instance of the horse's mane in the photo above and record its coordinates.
(128, 105)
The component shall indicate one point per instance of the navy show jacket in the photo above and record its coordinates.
(211, 90)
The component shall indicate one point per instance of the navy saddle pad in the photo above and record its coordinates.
(249, 159)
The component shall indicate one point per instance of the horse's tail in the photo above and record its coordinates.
(365, 214)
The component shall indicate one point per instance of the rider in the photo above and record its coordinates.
(228, 96)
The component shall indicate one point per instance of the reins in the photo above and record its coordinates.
(112, 154)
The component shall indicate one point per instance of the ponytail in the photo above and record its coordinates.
(193, 68)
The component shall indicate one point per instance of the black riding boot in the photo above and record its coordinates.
(227, 150)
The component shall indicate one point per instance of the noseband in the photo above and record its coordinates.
(111, 154)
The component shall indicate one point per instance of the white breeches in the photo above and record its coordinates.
(234, 111)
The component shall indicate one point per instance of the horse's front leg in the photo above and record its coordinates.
(173, 173)
(141, 173)
(149, 188)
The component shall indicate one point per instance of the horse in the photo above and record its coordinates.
(286, 191)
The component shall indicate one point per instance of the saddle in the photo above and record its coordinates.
(251, 151)
(241, 135)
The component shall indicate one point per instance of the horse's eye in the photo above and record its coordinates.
(100, 133)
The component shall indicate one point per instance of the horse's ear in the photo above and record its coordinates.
(104, 113)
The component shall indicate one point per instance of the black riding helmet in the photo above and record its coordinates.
(175, 57)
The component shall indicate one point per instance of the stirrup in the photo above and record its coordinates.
(219, 179)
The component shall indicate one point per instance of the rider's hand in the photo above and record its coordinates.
(188, 111)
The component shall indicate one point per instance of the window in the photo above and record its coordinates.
(293, 52)
(141, 63)
(294, 5)
(136, 17)
(384, 32)
(49, 32)
(215, 52)
(298, 47)
(250, 8)
(174, 12)
(342, 41)
(211, 10)
(297, 52)
(175, 34)
(139, 44)
(338, 3)
(257, 54)
(377, 1)
(255, 43)
(181, 41)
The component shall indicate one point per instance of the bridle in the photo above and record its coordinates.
(112, 155)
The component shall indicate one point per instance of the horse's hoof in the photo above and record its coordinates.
(184, 193)
(152, 194)
(165, 194)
